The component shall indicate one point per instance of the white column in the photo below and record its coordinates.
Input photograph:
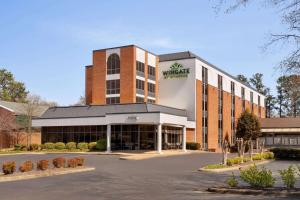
(184, 138)
(108, 138)
(159, 138)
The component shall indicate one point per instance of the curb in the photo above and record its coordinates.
(249, 191)
(225, 169)
(44, 174)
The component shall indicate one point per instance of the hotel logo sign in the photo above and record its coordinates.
(176, 71)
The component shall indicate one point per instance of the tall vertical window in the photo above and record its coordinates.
(243, 99)
(151, 72)
(220, 110)
(259, 106)
(251, 101)
(151, 89)
(204, 106)
(140, 68)
(113, 64)
(140, 86)
(232, 112)
(113, 86)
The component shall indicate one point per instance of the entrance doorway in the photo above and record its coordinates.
(172, 137)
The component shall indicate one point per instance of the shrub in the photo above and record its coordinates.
(237, 160)
(231, 181)
(258, 178)
(34, 147)
(246, 159)
(230, 161)
(26, 166)
(82, 146)
(257, 157)
(9, 167)
(101, 145)
(59, 162)
(288, 176)
(286, 153)
(42, 164)
(193, 146)
(49, 145)
(92, 145)
(72, 162)
(268, 155)
(20, 147)
(214, 166)
(79, 161)
(60, 145)
(71, 145)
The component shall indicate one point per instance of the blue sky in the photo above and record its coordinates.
(46, 44)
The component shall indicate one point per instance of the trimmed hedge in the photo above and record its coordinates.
(92, 145)
(101, 145)
(60, 145)
(49, 145)
(193, 146)
(34, 147)
(26, 166)
(9, 167)
(42, 165)
(82, 146)
(71, 145)
(286, 153)
(59, 162)
(72, 162)
(20, 147)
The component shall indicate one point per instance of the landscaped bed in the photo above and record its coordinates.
(43, 168)
(236, 163)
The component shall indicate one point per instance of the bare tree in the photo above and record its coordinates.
(290, 15)
(225, 149)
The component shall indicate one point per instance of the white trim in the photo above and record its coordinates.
(280, 130)
(7, 108)
(151, 60)
(140, 78)
(112, 95)
(152, 98)
(140, 95)
(108, 52)
(112, 77)
(151, 81)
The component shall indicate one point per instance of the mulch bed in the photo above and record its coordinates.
(253, 191)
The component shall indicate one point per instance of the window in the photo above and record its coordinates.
(151, 72)
(151, 89)
(112, 100)
(204, 106)
(233, 137)
(220, 110)
(140, 66)
(113, 64)
(140, 84)
(113, 87)
(243, 99)
(139, 99)
(150, 101)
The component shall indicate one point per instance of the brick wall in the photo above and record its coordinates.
(226, 115)
(88, 84)
(199, 111)
(99, 77)
(190, 135)
(212, 118)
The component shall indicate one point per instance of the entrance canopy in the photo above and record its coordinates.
(135, 113)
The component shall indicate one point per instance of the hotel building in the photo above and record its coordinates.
(138, 100)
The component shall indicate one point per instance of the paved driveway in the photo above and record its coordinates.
(173, 177)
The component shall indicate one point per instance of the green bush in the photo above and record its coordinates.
(246, 159)
(101, 145)
(71, 145)
(231, 181)
(288, 176)
(193, 146)
(257, 157)
(49, 145)
(82, 146)
(60, 145)
(286, 153)
(268, 155)
(237, 160)
(34, 147)
(230, 161)
(9, 167)
(214, 166)
(258, 178)
(92, 145)
(19, 147)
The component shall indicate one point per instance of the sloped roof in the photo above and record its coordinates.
(102, 110)
(188, 54)
(280, 123)
(20, 108)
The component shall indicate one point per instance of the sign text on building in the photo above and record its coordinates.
(176, 71)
